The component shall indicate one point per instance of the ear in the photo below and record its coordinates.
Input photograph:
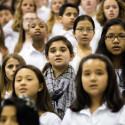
(47, 58)
(71, 57)
(40, 87)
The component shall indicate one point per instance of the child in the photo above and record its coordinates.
(19, 111)
(29, 81)
(5, 15)
(83, 31)
(98, 100)
(9, 66)
(25, 40)
(112, 44)
(59, 74)
(35, 55)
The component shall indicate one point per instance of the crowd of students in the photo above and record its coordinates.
(62, 62)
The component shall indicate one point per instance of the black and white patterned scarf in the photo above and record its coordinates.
(61, 88)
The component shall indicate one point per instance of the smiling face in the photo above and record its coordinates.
(84, 37)
(27, 83)
(8, 116)
(116, 46)
(11, 67)
(59, 55)
(94, 77)
(111, 9)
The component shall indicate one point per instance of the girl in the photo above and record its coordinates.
(83, 31)
(11, 30)
(3, 49)
(53, 21)
(98, 100)
(59, 74)
(9, 65)
(19, 111)
(29, 81)
(25, 39)
(110, 9)
(112, 44)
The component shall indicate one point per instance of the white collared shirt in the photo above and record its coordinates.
(102, 116)
(34, 57)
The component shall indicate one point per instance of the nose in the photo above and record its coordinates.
(57, 53)
(23, 82)
(14, 68)
(93, 77)
(116, 40)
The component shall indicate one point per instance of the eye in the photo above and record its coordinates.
(10, 66)
(41, 26)
(63, 50)
(86, 74)
(115, 7)
(99, 73)
(29, 79)
(32, 26)
(52, 51)
(68, 14)
(109, 37)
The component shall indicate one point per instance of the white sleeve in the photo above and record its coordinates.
(122, 117)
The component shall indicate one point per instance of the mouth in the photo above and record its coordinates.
(23, 90)
(85, 38)
(116, 48)
(111, 14)
(37, 33)
(93, 86)
(58, 59)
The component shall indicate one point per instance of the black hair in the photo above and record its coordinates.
(64, 6)
(2, 7)
(111, 96)
(81, 18)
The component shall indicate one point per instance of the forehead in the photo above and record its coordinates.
(27, 1)
(110, 2)
(84, 23)
(12, 60)
(38, 21)
(9, 108)
(71, 9)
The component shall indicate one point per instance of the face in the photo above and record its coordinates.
(37, 29)
(59, 55)
(8, 116)
(69, 17)
(27, 83)
(27, 18)
(56, 4)
(27, 6)
(11, 67)
(117, 45)
(94, 77)
(89, 5)
(84, 32)
(5, 17)
(45, 2)
(111, 9)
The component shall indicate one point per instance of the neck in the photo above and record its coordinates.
(58, 71)
(56, 18)
(28, 38)
(92, 14)
(84, 47)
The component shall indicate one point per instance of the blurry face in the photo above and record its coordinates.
(56, 4)
(89, 5)
(8, 3)
(38, 29)
(5, 17)
(8, 116)
(27, 6)
(69, 17)
(117, 45)
(27, 83)
(111, 9)
(11, 67)
(27, 18)
(94, 77)
(45, 2)
(72, 1)
(59, 55)
(84, 32)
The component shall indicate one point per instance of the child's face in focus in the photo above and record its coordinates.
(11, 67)
(94, 77)
(111, 9)
(38, 29)
(69, 17)
(5, 17)
(59, 55)
(8, 116)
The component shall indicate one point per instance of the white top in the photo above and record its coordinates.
(7, 95)
(34, 57)
(0, 59)
(102, 116)
(49, 118)
(11, 37)
(43, 13)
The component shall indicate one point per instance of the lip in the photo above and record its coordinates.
(85, 38)
(111, 14)
(37, 32)
(116, 48)
(23, 90)
(94, 86)
(58, 59)
(72, 22)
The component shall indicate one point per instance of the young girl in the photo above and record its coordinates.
(29, 81)
(98, 100)
(112, 44)
(3, 49)
(83, 31)
(59, 74)
(9, 66)
(25, 39)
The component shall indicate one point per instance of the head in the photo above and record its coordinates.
(5, 15)
(28, 80)
(19, 111)
(112, 42)
(38, 29)
(68, 13)
(110, 9)
(95, 70)
(84, 29)
(76, 2)
(59, 52)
